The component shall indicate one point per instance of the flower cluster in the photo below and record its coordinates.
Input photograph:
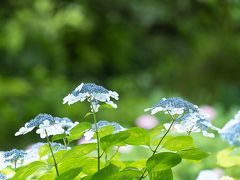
(14, 157)
(231, 131)
(189, 119)
(90, 132)
(173, 106)
(92, 93)
(47, 125)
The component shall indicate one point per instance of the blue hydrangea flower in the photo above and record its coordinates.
(193, 122)
(92, 93)
(189, 119)
(2, 176)
(231, 131)
(14, 157)
(173, 106)
(90, 132)
(47, 123)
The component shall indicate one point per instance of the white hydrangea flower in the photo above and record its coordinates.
(93, 94)
(47, 123)
(90, 132)
(231, 131)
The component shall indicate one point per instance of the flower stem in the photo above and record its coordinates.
(159, 143)
(98, 140)
(50, 147)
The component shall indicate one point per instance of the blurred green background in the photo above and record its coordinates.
(144, 50)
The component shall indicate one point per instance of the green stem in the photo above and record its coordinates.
(98, 140)
(65, 141)
(159, 143)
(50, 147)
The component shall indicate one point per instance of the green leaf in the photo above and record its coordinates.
(88, 164)
(25, 171)
(80, 150)
(88, 114)
(137, 164)
(105, 173)
(44, 150)
(104, 131)
(58, 137)
(105, 106)
(178, 143)
(138, 136)
(127, 174)
(70, 174)
(162, 161)
(163, 175)
(113, 140)
(78, 131)
(193, 154)
(226, 158)
(58, 157)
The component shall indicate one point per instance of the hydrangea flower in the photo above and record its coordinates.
(231, 131)
(193, 122)
(14, 157)
(2, 176)
(173, 106)
(93, 94)
(189, 118)
(2, 163)
(47, 123)
(90, 132)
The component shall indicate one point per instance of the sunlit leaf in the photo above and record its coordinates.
(193, 154)
(162, 161)
(178, 143)
(163, 175)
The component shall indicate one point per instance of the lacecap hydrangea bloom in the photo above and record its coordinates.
(90, 132)
(2, 176)
(47, 125)
(231, 131)
(189, 118)
(93, 93)
(14, 157)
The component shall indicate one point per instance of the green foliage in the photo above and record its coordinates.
(178, 143)
(30, 169)
(137, 136)
(78, 131)
(193, 154)
(162, 161)
(71, 174)
(163, 175)
(228, 158)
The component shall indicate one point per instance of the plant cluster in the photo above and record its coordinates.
(98, 157)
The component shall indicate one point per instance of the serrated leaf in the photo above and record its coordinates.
(25, 171)
(163, 175)
(193, 154)
(113, 140)
(78, 131)
(138, 136)
(178, 143)
(162, 161)
(70, 174)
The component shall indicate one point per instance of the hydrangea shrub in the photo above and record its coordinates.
(80, 150)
